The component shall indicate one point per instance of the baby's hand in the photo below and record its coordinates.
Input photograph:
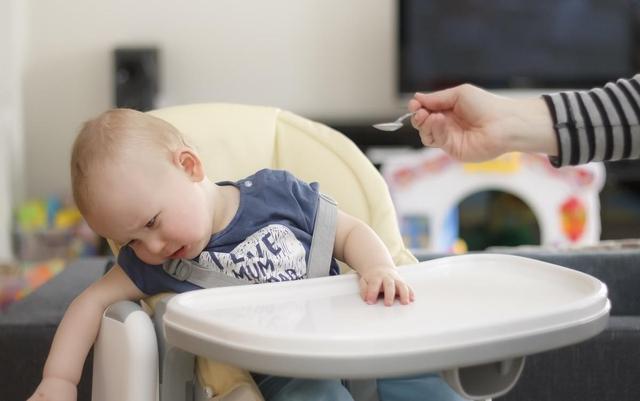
(54, 389)
(386, 280)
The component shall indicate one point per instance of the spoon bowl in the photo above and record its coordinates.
(393, 126)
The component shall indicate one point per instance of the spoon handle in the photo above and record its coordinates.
(404, 116)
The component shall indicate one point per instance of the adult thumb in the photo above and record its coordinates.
(440, 100)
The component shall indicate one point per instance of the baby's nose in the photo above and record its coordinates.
(156, 246)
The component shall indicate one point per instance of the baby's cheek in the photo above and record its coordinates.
(197, 230)
(146, 257)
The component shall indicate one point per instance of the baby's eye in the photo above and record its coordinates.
(151, 222)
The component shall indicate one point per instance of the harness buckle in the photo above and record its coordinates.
(180, 269)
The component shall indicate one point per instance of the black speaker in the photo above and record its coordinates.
(136, 75)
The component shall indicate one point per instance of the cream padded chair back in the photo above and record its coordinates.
(237, 140)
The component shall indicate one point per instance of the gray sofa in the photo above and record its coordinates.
(606, 367)
(28, 326)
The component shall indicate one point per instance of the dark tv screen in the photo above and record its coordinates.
(514, 43)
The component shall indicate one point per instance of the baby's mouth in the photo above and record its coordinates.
(178, 254)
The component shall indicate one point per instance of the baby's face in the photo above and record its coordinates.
(153, 206)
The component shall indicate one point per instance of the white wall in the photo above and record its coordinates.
(325, 59)
(11, 134)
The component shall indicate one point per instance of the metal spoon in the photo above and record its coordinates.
(394, 125)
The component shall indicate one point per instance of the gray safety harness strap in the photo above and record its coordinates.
(193, 272)
(324, 236)
(318, 264)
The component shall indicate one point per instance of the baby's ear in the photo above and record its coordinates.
(189, 162)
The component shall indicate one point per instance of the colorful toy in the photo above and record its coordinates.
(51, 228)
(428, 184)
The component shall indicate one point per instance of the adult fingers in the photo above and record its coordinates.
(413, 105)
(419, 117)
(434, 121)
(439, 131)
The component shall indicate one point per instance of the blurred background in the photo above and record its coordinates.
(347, 64)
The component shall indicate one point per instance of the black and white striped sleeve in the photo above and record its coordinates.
(597, 125)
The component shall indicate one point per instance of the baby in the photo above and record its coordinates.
(137, 181)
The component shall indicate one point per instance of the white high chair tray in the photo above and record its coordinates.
(469, 310)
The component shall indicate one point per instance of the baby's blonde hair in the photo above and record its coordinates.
(106, 137)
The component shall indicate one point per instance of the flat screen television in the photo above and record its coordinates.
(524, 44)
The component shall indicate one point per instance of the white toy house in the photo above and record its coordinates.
(427, 185)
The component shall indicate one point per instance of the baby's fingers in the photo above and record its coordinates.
(405, 292)
(369, 290)
(389, 285)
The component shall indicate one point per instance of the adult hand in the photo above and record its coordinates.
(474, 125)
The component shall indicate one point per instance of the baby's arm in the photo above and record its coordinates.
(77, 332)
(360, 247)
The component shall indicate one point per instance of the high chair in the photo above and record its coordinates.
(480, 355)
